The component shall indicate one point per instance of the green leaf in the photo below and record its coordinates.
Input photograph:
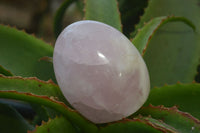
(11, 121)
(42, 93)
(37, 87)
(135, 125)
(144, 35)
(71, 115)
(105, 11)
(57, 125)
(185, 96)
(5, 72)
(160, 124)
(59, 16)
(21, 53)
(173, 52)
(182, 122)
(32, 85)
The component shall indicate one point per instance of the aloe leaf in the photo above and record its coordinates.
(136, 125)
(181, 121)
(173, 52)
(57, 125)
(144, 35)
(160, 124)
(185, 96)
(32, 85)
(12, 121)
(42, 93)
(59, 16)
(5, 71)
(21, 53)
(71, 115)
(105, 11)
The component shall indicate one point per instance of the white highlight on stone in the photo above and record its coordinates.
(100, 72)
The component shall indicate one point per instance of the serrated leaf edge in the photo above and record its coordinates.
(29, 78)
(7, 71)
(165, 19)
(52, 103)
(24, 31)
(42, 123)
(176, 110)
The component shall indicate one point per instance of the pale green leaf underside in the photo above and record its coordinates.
(105, 11)
(144, 35)
(173, 52)
(185, 96)
(21, 54)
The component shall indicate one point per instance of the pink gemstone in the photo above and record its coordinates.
(100, 71)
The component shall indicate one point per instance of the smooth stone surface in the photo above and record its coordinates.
(100, 72)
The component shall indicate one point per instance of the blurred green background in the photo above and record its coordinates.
(35, 16)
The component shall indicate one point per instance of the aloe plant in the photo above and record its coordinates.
(168, 37)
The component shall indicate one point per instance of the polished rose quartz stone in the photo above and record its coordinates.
(100, 72)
